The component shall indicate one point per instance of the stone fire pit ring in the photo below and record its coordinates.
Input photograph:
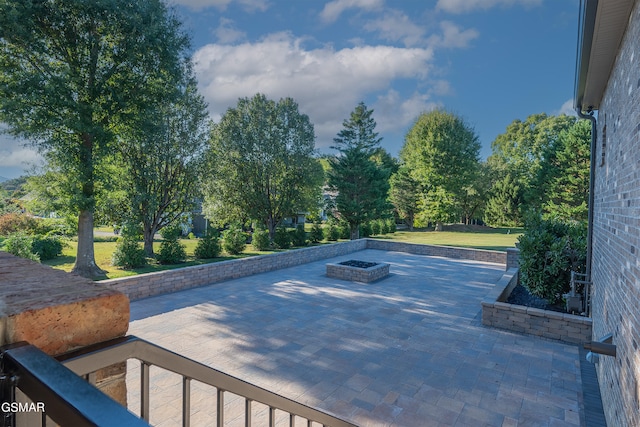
(358, 271)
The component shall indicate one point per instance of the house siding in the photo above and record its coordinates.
(616, 234)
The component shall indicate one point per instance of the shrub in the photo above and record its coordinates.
(332, 233)
(260, 240)
(208, 246)
(549, 251)
(47, 247)
(316, 234)
(14, 222)
(345, 230)
(384, 226)
(234, 240)
(282, 238)
(191, 236)
(19, 244)
(171, 250)
(128, 254)
(299, 236)
(365, 229)
(375, 227)
(391, 224)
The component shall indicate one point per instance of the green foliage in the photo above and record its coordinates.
(549, 251)
(299, 236)
(20, 244)
(504, 204)
(47, 247)
(208, 246)
(361, 183)
(391, 224)
(385, 226)
(442, 154)
(316, 234)
(260, 240)
(375, 227)
(404, 193)
(332, 232)
(365, 229)
(565, 174)
(128, 254)
(171, 250)
(344, 230)
(282, 238)
(234, 240)
(14, 222)
(262, 163)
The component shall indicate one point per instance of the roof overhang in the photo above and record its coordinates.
(602, 26)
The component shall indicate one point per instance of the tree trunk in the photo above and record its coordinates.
(149, 234)
(85, 265)
(355, 231)
(271, 226)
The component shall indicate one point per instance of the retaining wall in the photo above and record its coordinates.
(528, 320)
(145, 285)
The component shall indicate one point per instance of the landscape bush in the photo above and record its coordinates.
(375, 228)
(365, 229)
(384, 226)
(260, 240)
(19, 244)
(15, 222)
(234, 240)
(316, 234)
(171, 250)
(549, 251)
(391, 224)
(282, 238)
(128, 253)
(331, 232)
(299, 236)
(345, 230)
(208, 246)
(47, 247)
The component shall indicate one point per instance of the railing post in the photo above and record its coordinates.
(247, 413)
(144, 391)
(186, 402)
(220, 412)
(7, 394)
(272, 416)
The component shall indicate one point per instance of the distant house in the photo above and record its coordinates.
(608, 81)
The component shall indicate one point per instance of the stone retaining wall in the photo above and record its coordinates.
(533, 321)
(145, 285)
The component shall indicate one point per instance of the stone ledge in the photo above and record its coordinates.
(532, 321)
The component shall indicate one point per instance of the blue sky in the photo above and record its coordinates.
(489, 61)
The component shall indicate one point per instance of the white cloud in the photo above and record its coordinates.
(334, 9)
(453, 36)
(14, 153)
(393, 112)
(394, 26)
(227, 33)
(463, 6)
(326, 83)
(567, 108)
(197, 5)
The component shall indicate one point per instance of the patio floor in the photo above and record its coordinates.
(408, 350)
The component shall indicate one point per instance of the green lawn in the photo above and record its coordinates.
(462, 236)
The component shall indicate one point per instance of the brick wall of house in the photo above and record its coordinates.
(616, 252)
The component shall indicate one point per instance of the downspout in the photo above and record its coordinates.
(592, 174)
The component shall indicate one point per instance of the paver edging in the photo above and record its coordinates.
(497, 313)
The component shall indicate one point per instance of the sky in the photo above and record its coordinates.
(488, 61)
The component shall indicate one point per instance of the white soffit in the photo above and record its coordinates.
(612, 19)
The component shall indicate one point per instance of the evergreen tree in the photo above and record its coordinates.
(405, 195)
(361, 184)
(503, 206)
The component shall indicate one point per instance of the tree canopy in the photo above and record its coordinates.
(71, 72)
(442, 153)
(262, 163)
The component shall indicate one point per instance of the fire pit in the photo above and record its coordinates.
(358, 271)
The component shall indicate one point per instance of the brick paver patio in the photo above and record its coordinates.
(408, 350)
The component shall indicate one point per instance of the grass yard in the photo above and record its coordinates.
(455, 235)
(477, 237)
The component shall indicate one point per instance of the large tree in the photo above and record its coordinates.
(442, 153)
(359, 175)
(520, 152)
(71, 72)
(404, 194)
(263, 165)
(162, 158)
